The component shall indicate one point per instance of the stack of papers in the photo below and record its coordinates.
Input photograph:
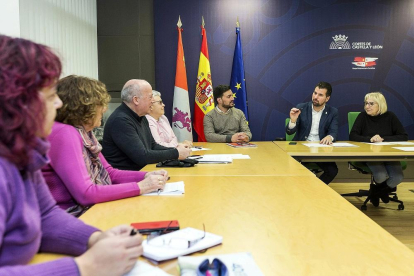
(214, 159)
(219, 158)
(161, 253)
(173, 188)
(237, 264)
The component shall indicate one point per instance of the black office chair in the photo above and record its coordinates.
(362, 167)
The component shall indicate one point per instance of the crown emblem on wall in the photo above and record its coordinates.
(340, 38)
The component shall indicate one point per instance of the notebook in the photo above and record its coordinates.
(161, 253)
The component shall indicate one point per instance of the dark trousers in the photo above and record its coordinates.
(330, 170)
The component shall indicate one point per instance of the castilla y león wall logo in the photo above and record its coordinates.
(340, 42)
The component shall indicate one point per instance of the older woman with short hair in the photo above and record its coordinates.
(375, 125)
(78, 174)
(160, 126)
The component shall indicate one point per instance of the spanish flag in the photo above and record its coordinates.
(181, 120)
(204, 101)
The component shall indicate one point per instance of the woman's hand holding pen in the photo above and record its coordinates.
(113, 252)
(152, 183)
(294, 114)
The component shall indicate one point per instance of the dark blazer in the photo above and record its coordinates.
(328, 124)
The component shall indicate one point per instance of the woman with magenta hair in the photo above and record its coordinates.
(78, 174)
(30, 221)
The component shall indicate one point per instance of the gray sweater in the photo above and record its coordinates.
(220, 127)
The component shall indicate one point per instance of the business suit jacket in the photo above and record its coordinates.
(328, 124)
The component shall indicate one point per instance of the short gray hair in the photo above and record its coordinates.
(155, 93)
(128, 92)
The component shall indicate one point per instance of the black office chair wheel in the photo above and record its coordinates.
(364, 207)
(401, 206)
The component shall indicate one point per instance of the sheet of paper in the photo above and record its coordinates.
(173, 188)
(199, 148)
(380, 144)
(232, 156)
(143, 269)
(404, 148)
(336, 144)
(402, 143)
(215, 159)
(315, 145)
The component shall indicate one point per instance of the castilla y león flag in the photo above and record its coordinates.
(181, 120)
(204, 90)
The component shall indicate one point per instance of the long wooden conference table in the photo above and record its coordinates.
(291, 224)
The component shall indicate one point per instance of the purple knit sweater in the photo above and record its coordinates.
(68, 178)
(30, 221)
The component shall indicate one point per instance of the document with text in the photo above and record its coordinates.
(173, 188)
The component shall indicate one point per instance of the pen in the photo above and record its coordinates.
(198, 147)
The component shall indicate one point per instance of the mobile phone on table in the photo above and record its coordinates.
(152, 226)
(292, 143)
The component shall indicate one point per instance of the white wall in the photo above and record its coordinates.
(9, 18)
(67, 26)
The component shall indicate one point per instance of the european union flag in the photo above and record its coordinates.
(237, 82)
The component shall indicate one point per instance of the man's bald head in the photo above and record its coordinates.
(133, 88)
(137, 95)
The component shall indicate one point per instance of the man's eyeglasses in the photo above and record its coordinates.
(369, 103)
(160, 101)
(156, 239)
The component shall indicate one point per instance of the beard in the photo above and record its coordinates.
(230, 105)
(316, 103)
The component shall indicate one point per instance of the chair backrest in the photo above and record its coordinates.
(289, 137)
(351, 119)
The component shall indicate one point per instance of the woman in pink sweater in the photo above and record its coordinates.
(78, 175)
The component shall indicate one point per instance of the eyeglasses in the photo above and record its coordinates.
(369, 103)
(160, 101)
(156, 239)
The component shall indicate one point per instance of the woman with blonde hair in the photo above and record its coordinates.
(78, 174)
(375, 125)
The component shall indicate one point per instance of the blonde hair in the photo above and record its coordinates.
(379, 99)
